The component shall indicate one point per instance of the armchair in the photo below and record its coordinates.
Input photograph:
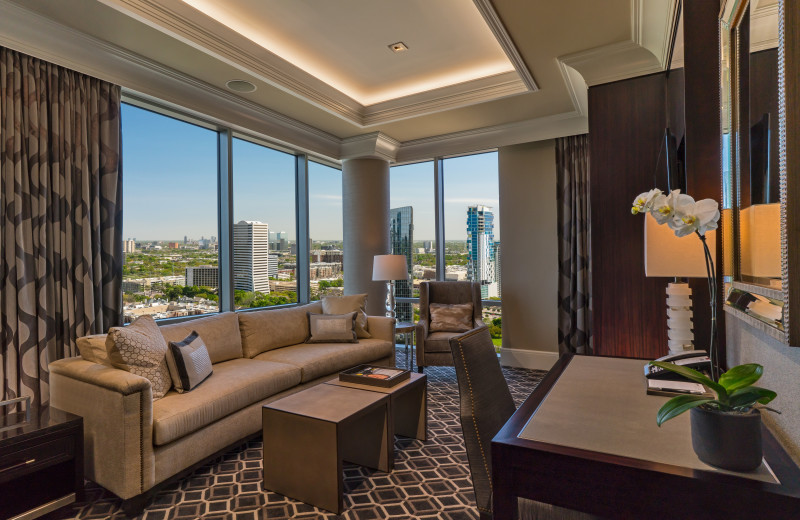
(433, 348)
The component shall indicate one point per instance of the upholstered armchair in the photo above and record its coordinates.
(433, 348)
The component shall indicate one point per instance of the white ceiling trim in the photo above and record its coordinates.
(259, 63)
(375, 144)
(492, 19)
(764, 28)
(614, 62)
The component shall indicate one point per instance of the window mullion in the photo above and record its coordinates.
(225, 220)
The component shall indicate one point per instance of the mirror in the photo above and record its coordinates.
(751, 207)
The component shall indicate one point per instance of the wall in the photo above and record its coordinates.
(529, 262)
(781, 374)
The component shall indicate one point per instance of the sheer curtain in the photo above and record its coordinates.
(574, 245)
(60, 216)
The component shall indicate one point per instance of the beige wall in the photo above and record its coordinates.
(529, 254)
(781, 364)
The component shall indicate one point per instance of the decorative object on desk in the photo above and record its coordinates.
(726, 431)
(374, 375)
(388, 268)
(683, 216)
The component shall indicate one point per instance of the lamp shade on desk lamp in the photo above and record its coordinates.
(761, 240)
(666, 255)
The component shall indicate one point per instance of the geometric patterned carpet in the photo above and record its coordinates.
(431, 479)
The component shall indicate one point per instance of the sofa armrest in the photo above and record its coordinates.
(117, 411)
(381, 327)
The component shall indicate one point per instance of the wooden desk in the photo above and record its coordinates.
(580, 446)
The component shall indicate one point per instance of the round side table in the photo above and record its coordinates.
(407, 328)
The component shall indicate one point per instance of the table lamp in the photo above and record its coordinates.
(670, 256)
(388, 268)
(761, 240)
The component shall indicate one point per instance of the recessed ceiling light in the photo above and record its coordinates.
(398, 47)
(240, 85)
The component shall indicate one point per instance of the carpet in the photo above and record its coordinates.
(431, 479)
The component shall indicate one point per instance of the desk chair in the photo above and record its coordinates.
(486, 405)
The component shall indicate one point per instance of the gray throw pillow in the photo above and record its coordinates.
(332, 328)
(188, 361)
(351, 303)
(450, 318)
(140, 349)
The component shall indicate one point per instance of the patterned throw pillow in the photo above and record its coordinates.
(332, 328)
(450, 318)
(140, 349)
(351, 303)
(188, 361)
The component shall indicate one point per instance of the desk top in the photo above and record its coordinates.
(600, 404)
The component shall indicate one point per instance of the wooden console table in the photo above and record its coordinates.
(587, 439)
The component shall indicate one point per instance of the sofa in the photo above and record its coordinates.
(133, 443)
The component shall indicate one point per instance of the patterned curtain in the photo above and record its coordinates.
(60, 217)
(574, 246)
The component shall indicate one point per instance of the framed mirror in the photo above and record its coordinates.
(754, 198)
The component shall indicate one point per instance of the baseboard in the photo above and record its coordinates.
(533, 359)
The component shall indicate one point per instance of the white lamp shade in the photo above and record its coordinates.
(389, 267)
(761, 240)
(670, 256)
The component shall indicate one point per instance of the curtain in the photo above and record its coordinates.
(60, 216)
(574, 245)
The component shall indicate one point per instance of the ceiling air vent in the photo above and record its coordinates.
(240, 85)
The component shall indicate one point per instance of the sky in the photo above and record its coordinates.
(170, 185)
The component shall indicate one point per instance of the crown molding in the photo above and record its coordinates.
(255, 61)
(549, 127)
(33, 34)
(614, 62)
(376, 145)
(494, 22)
(764, 28)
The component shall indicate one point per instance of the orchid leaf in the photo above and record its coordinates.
(750, 396)
(741, 376)
(678, 405)
(693, 375)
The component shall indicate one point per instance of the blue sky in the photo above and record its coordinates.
(170, 185)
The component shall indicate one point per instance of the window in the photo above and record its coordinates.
(170, 216)
(325, 230)
(472, 227)
(412, 229)
(264, 216)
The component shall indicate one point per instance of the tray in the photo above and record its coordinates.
(374, 375)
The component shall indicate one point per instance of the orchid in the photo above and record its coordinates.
(664, 207)
(690, 216)
(644, 201)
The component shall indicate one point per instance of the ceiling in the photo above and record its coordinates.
(476, 74)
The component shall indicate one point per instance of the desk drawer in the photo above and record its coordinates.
(36, 456)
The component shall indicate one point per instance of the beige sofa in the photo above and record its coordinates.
(133, 443)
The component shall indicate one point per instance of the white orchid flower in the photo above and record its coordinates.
(644, 201)
(663, 209)
(690, 216)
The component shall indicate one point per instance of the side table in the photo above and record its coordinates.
(41, 460)
(407, 328)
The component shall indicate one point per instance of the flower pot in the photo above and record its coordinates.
(727, 440)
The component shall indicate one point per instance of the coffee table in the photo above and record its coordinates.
(307, 435)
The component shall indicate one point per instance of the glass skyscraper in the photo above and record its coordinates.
(402, 239)
(480, 246)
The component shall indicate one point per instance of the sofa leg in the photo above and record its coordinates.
(134, 506)
(420, 369)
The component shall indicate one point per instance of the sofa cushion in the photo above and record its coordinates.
(332, 328)
(439, 341)
(140, 349)
(350, 303)
(450, 318)
(220, 333)
(268, 329)
(93, 348)
(188, 362)
(234, 385)
(318, 359)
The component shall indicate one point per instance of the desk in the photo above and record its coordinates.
(578, 447)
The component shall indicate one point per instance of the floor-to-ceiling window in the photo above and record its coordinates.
(412, 229)
(325, 230)
(264, 237)
(169, 216)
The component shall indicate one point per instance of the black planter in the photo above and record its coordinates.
(727, 440)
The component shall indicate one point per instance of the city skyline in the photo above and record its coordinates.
(181, 160)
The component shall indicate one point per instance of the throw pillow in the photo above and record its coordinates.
(140, 349)
(332, 328)
(450, 318)
(353, 303)
(188, 361)
(93, 348)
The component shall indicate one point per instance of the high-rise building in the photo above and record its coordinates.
(129, 246)
(428, 246)
(203, 276)
(497, 271)
(251, 256)
(480, 246)
(402, 240)
(272, 270)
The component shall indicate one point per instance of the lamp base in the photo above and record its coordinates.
(679, 318)
(390, 311)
